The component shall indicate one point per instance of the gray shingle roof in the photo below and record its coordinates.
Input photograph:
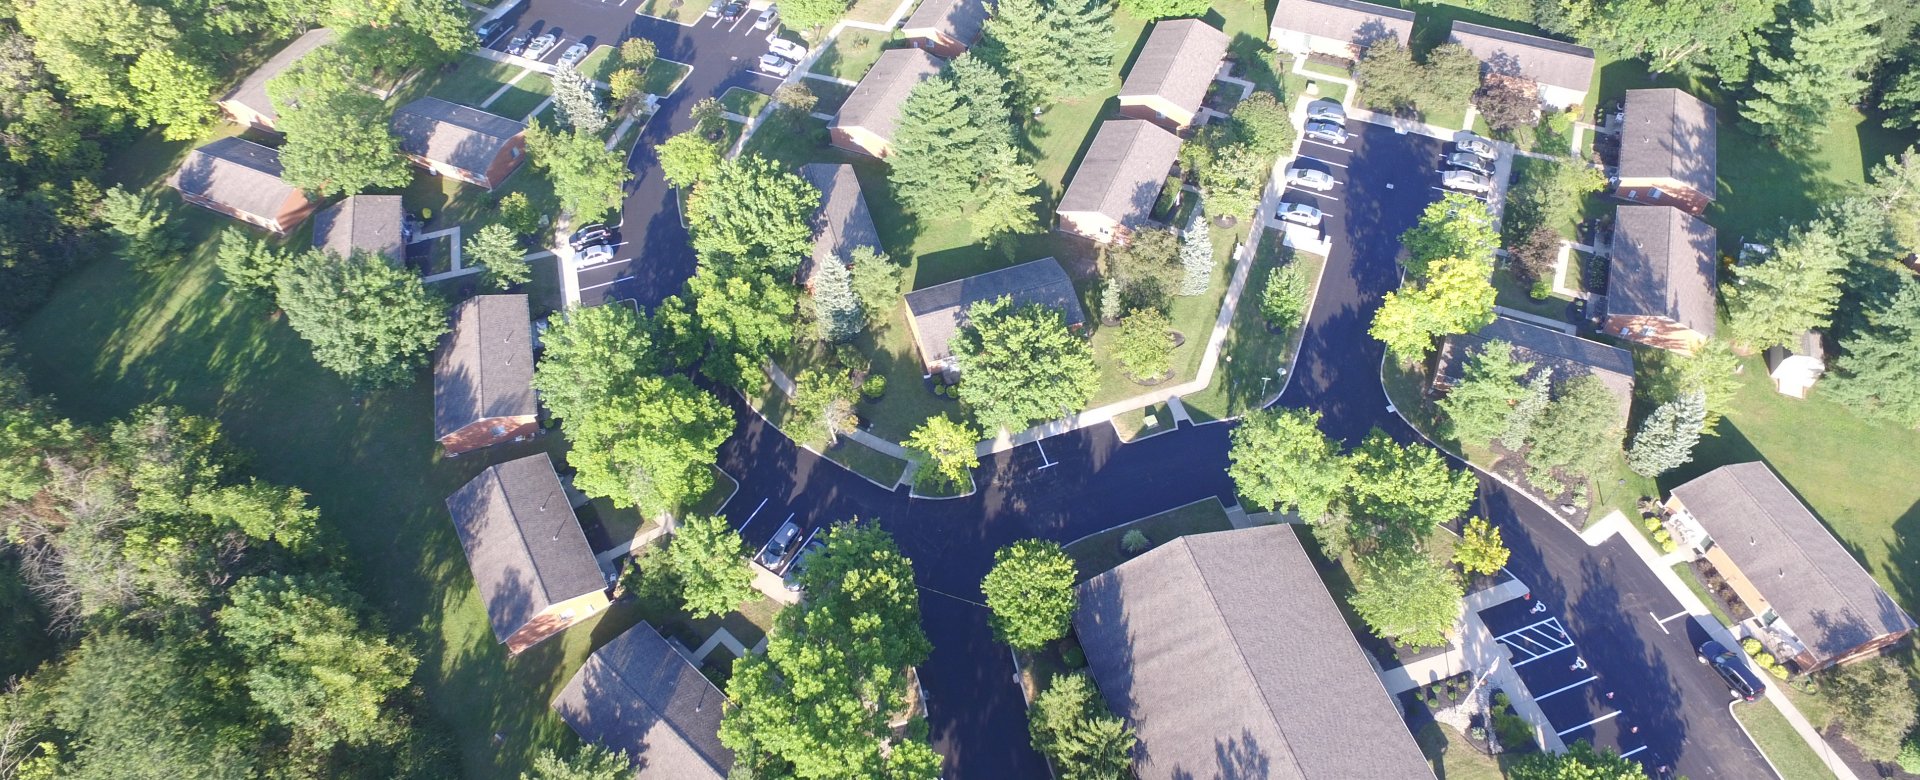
(1550, 62)
(369, 223)
(485, 365)
(1343, 20)
(875, 104)
(1178, 63)
(252, 90)
(1568, 355)
(1122, 172)
(842, 222)
(961, 20)
(1669, 134)
(1662, 265)
(466, 138)
(235, 172)
(938, 311)
(1823, 593)
(638, 695)
(1225, 647)
(522, 541)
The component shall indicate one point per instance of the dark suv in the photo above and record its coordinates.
(1732, 668)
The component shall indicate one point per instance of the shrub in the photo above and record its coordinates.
(1909, 758)
(940, 390)
(850, 356)
(1477, 733)
(1668, 546)
(1074, 657)
(1662, 536)
(1134, 541)
(1501, 702)
(1653, 524)
(1765, 660)
(874, 386)
(1284, 299)
(1751, 645)
(1514, 731)
(1779, 671)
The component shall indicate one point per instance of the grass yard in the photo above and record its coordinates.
(600, 63)
(851, 53)
(523, 97)
(664, 76)
(1256, 352)
(681, 11)
(1686, 575)
(867, 462)
(1097, 553)
(449, 202)
(1192, 316)
(831, 95)
(1141, 423)
(858, 458)
(473, 81)
(744, 102)
(1452, 757)
(1510, 292)
(1780, 743)
(872, 11)
(801, 142)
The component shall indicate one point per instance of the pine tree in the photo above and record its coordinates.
(1479, 406)
(576, 104)
(931, 166)
(1196, 255)
(983, 88)
(1874, 375)
(1110, 300)
(836, 310)
(1520, 423)
(1051, 48)
(1822, 67)
(1666, 440)
(1004, 200)
(1792, 292)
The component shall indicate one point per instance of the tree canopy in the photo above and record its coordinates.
(710, 562)
(588, 178)
(1479, 407)
(1407, 596)
(947, 452)
(651, 444)
(1280, 460)
(753, 214)
(1406, 489)
(366, 319)
(1030, 593)
(1021, 365)
(1050, 49)
(1457, 297)
(1072, 725)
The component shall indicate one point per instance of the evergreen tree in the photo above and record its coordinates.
(1072, 725)
(876, 281)
(1479, 406)
(1820, 68)
(1579, 432)
(140, 224)
(1196, 255)
(1051, 48)
(1666, 440)
(1875, 373)
(836, 310)
(1528, 409)
(249, 264)
(1004, 201)
(1793, 291)
(931, 166)
(576, 104)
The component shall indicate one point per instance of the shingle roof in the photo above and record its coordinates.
(1550, 62)
(1662, 265)
(1832, 604)
(938, 311)
(485, 365)
(1343, 20)
(252, 90)
(1177, 63)
(369, 223)
(1226, 647)
(237, 173)
(466, 138)
(1568, 355)
(875, 105)
(1122, 172)
(524, 544)
(842, 222)
(960, 20)
(1669, 134)
(638, 695)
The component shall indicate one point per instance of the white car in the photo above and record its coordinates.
(540, 46)
(1473, 144)
(1466, 181)
(573, 54)
(1327, 109)
(593, 255)
(1299, 214)
(775, 65)
(767, 18)
(1310, 179)
(786, 48)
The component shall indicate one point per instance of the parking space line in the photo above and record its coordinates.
(816, 532)
(1601, 719)
(1549, 621)
(756, 511)
(1323, 162)
(1568, 688)
(1629, 754)
(1306, 141)
(606, 284)
(1518, 664)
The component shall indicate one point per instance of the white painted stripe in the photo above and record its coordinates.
(1629, 754)
(1519, 664)
(1323, 162)
(1568, 688)
(1552, 621)
(756, 511)
(1601, 719)
(605, 284)
(1305, 141)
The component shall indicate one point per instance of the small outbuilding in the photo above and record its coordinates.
(842, 223)
(936, 313)
(1795, 368)
(1170, 77)
(1668, 150)
(869, 117)
(1811, 602)
(247, 103)
(1564, 71)
(363, 223)
(1566, 355)
(483, 375)
(1119, 179)
(1661, 274)
(530, 559)
(946, 27)
(638, 695)
(1341, 29)
(241, 179)
(449, 139)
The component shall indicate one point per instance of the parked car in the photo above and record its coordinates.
(1327, 110)
(732, 11)
(572, 55)
(541, 45)
(792, 578)
(1299, 214)
(490, 28)
(593, 255)
(775, 65)
(767, 18)
(1468, 161)
(779, 547)
(540, 327)
(1473, 144)
(588, 235)
(1329, 132)
(714, 9)
(1309, 178)
(1466, 181)
(1732, 668)
(518, 45)
(786, 48)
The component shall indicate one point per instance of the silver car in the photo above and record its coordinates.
(1310, 178)
(1328, 132)
(1327, 110)
(1468, 161)
(767, 18)
(775, 65)
(1466, 181)
(786, 48)
(572, 55)
(1473, 144)
(540, 46)
(1299, 214)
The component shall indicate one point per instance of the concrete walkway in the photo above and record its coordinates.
(1544, 322)
(1479, 652)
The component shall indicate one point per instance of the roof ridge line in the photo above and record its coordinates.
(660, 711)
(1818, 570)
(1206, 585)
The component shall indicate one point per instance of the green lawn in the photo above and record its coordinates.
(744, 102)
(664, 76)
(1686, 575)
(682, 11)
(473, 81)
(523, 97)
(1132, 426)
(851, 53)
(1511, 293)
(831, 95)
(1452, 757)
(1781, 744)
(1257, 353)
(600, 64)
(867, 461)
(859, 458)
(1100, 552)
(452, 202)
(872, 11)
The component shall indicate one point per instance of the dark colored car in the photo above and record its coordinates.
(488, 29)
(733, 11)
(799, 567)
(779, 547)
(589, 235)
(1732, 668)
(1321, 130)
(518, 45)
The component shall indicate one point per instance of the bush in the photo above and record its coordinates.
(1134, 541)
(851, 357)
(1765, 660)
(1779, 671)
(1074, 657)
(1513, 731)
(1653, 523)
(1751, 645)
(1662, 536)
(940, 390)
(1668, 546)
(1909, 758)
(1501, 702)
(1284, 299)
(874, 386)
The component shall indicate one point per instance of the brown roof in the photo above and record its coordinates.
(1669, 134)
(638, 695)
(252, 90)
(463, 137)
(368, 223)
(522, 541)
(842, 222)
(485, 365)
(875, 105)
(237, 173)
(1342, 20)
(1177, 63)
(1829, 601)
(938, 311)
(1569, 356)
(1224, 651)
(1550, 62)
(960, 20)
(1122, 172)
(1662, 265)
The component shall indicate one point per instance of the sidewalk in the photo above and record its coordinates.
(1479, 652)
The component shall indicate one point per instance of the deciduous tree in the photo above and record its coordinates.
(496, 250)
(1508, 103)
(752, 213)
(1283, 299)
(1579, 433)
(1457, 297)
(1072, 725)
(366, 319)
(249, 264)
(1407, 596)
(1580, 762)
(710, 562)
(1406, 490)
(338, 139)
(1021, 365)
(1718, 37)
(1146, 268)
(741, 318)
(687, 158)
(1151, 10)
(591, 354)
(1030, 593)
(1480, 550)
(1279, 460)
(811, 17)
(1145, 344)
(1458, 226)
(1875, 703)
(652, 445)
(592, 762)
(946, 449)
(823, 405)
(587, 177)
